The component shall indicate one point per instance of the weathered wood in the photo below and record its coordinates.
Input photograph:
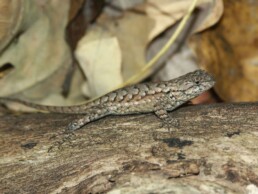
(215, 146)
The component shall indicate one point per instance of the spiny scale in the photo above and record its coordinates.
(140, 98)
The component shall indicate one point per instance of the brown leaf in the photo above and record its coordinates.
(229, 51)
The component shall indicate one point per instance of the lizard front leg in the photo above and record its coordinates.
(167, 121)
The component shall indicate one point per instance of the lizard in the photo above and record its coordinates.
(158, 97)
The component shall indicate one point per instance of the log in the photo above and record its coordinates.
(214, 149)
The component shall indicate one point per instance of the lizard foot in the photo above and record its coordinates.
(170, 124)
(73, 126)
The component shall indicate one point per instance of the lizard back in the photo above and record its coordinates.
(139, 98)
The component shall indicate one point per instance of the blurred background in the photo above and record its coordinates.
(66, 52)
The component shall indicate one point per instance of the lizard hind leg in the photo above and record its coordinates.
(78, 123)
(92, 115)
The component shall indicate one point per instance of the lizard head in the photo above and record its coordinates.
(191, 85)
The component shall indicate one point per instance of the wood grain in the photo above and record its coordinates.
(215, 146)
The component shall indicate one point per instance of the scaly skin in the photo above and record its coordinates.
(140, 98)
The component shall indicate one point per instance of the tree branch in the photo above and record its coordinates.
(214, 144)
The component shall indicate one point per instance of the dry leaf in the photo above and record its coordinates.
(229, 51)
(125, 4)
(39, 51)
(132, 40)
(167, 12)
(99, 55)
(211, 12)
(10, 12)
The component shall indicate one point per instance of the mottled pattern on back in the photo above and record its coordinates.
(140, 98)
(148, 97)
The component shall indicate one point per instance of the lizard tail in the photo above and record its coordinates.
(77, 109)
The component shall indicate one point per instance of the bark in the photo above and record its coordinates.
(214, 149)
